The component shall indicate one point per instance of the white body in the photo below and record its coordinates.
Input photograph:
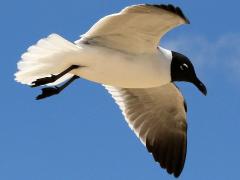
(113, 67)
(97, 63)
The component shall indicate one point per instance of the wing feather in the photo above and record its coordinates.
(136, 29)
(158, 118)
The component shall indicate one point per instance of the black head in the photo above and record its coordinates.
(183, 70)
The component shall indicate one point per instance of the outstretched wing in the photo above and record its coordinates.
(136, 29)
(158, 117)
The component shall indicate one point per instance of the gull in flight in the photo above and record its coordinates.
(121, 52)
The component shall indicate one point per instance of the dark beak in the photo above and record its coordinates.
(200, 86)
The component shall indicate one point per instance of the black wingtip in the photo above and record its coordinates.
(180, 13)
(171, 8)
(170, 154)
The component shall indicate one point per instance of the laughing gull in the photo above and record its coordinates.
(121, 52)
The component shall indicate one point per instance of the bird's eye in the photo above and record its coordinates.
(184, 67)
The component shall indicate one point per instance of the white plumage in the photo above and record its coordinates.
(54, 54)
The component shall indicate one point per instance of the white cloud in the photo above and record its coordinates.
(223, 53)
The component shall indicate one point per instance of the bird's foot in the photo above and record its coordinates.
(50, 91)
(43, 81)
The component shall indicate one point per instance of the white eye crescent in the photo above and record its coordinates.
(184, 67)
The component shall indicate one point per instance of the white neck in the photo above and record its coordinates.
(165, 52)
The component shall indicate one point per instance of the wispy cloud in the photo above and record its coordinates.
(222, 53)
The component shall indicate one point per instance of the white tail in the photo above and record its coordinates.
(49, 56)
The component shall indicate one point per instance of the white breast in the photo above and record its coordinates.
(116, 68)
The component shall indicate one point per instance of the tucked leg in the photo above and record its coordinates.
(53, 78)
(50, 91)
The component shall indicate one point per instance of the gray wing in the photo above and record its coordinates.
(158, 117)
(136, 29)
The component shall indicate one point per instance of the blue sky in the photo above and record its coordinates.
(81, 134)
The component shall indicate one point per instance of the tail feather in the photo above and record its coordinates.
(49, 56)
